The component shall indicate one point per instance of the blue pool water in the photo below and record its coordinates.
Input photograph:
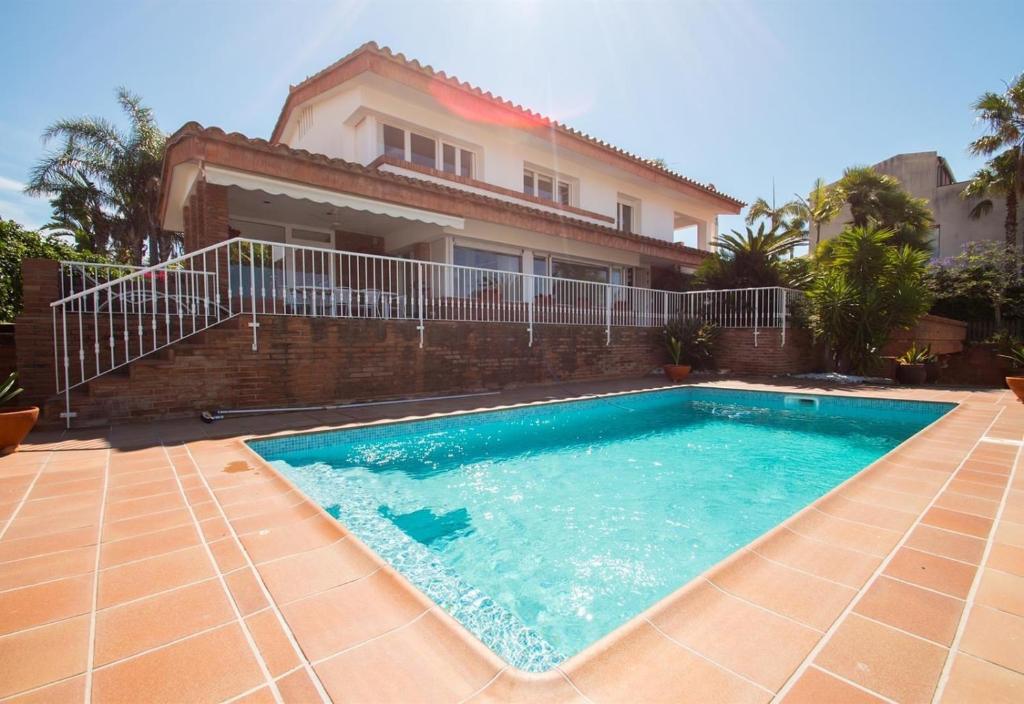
(542, 529)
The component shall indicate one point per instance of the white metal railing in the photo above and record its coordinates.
(121, 318)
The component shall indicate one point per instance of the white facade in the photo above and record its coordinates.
(348, 122)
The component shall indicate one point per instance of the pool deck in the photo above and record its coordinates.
(167, 563)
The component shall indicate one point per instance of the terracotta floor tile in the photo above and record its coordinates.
(246, 591)
(647, 667)
(821, 559)
(214, 529)
(982, 478)
(974, 505)
(760, 645)
(845, 534)
(59, 505)
(548, 688)
(41, 655)
(909, 608)
(1002, 591)
(76, 486)
(350, 614)
(298, 688)
(228, 555)
(296, 576)
(147, 545)
(69, 691)
(52, 542)
(884, 660)
(31, 570)
(995, 636)
(1006, 533)
(939, 573)
(958, 522)
(26, 607)
(142, 490)
(1007, 558)
(946, 543)
(273, 644)
(133, 508)
(425, 662)
(984, 491)
(156, 574)
(878, 516)
(131, 628)
(260, 696)
(818, 687)
(219, 664)
(263, 505)
(275, 518)
(36, 526)
(294, 538)
(799, 596)
(974, 680)
(130, 527)
(206, 510)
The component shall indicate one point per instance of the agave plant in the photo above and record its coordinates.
(8, 390)
(916, 355)
(690, 341)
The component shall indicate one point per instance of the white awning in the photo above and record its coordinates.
(251, 182)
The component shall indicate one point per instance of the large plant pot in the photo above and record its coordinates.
(1016, 384)
(931, 371)
(676, 372)
(15, 424)
(913, 374)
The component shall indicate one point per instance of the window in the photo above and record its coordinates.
(469, 283)
(563, 192)
(311, 236)
(448, 158)
(394, 142)
(466, 163)
(627, 214)
(423, 150)
(483, 259)
(575, 270)
(547, 187)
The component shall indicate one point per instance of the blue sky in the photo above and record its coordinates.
(733, 93)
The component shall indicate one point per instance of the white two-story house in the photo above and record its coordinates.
(379, 154)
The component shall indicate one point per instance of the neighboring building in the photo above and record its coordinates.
(927, 175)
(411, 162)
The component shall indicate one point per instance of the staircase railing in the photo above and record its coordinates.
(117, 321)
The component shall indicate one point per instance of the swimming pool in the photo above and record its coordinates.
(543, 528)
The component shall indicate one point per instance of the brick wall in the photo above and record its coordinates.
(738, 353)
(8, 355)
(945, 335)
(33, 329)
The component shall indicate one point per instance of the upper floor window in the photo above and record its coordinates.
(547, 186)
(428, 151)
(627, 215)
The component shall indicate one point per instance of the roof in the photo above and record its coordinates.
(216, 134)
(355, 63)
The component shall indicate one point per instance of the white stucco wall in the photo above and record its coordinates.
(345, 124)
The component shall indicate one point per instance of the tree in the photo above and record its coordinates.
(16, 244)
(749, 259)
(820, 206)
(997, 178)
(863, 291)
(776, 216)
(983, 272)
(1003, 115)
(879, 201)
(105, 182)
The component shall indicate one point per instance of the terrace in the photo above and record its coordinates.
(904, 583)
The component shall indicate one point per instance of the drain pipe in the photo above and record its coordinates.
(211, 416)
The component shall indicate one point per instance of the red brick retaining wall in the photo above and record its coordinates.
(945, 335)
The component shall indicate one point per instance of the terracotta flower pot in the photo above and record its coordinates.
(676, 372)
(913, 374)
(15, 423)
(1016, 384)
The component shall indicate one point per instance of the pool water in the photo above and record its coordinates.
(542, 529)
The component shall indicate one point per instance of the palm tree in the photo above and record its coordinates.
(880, 201)
(750, 259)
(997, 178)
(110, 174)
(1003, 115)
(761, 209)
(820, 206)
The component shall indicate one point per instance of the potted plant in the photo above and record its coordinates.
(689, 343)
(911, 365)
(1016, 357)
(15, 423)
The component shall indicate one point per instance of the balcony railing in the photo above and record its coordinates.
(130, 312)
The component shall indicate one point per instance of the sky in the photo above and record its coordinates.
(743, 94)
